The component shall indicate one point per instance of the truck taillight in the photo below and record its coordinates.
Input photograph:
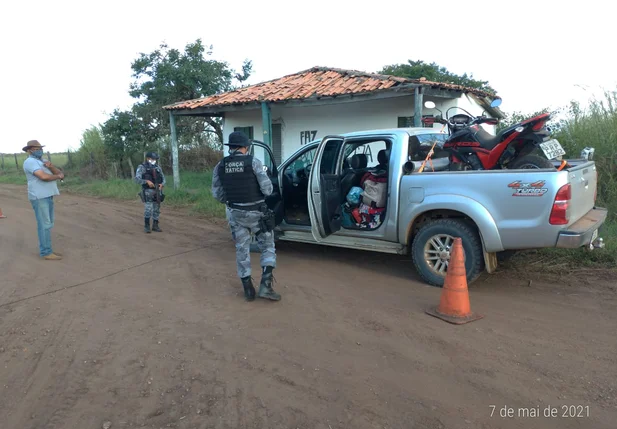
(560, 214)
(595, 191)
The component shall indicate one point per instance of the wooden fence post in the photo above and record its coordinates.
(2, 155)
(68, 154)
(49, 156)
(91, 164)
(16, 163)
(131, 167)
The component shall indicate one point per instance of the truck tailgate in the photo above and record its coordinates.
(583, 181)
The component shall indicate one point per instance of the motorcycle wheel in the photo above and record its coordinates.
(530, 162)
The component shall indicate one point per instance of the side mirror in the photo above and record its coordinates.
(429, 104)
(496, 102)
(408, 167)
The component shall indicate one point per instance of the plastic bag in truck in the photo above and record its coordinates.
(375, 193)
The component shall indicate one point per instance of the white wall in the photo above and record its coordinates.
(336, 118)
(244, 118)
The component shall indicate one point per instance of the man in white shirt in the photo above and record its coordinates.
(42, 188)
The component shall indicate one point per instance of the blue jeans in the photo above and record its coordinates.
(44, 212)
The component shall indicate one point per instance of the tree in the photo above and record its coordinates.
(124, 134)
(166, 76)
(435, 73)
(92, 153)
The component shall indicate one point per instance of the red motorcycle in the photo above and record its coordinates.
(471, 147)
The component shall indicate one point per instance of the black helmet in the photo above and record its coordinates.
(238, 139)
(152, 155)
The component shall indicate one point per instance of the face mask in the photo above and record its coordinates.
(37, 153)
(152, 162)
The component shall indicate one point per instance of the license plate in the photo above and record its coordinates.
(552, 149)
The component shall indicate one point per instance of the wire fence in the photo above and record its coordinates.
(15, 161)
(98, 165)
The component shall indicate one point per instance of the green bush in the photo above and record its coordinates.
(596, 127)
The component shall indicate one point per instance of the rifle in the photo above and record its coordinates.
(156, 187)
(160, 197)
(267, 221)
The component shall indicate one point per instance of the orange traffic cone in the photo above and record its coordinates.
(1, 215)
(454, 303)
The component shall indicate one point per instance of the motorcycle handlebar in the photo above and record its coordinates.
(473, 120)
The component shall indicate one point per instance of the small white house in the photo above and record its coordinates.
(293, 110)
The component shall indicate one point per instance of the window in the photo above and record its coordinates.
(329, 157)
(277, 143)
(429, 125)
(405, 121)
(421, 144)
(369, 148)
(246, 130)
(408, 121)
(301, 162)
(306, 159)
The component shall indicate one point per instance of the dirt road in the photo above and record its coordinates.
(150, 330)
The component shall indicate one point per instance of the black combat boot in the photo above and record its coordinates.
(249, 289)
(265, 287)
(147, 225)
(155, 226)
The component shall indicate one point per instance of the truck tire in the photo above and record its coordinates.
(530, 161)
(443, 231)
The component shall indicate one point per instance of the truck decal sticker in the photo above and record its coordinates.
(535, 189)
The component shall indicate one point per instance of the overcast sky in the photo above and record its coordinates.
(66, 65)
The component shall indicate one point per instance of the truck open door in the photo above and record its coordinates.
(274, 200)
(324, 196)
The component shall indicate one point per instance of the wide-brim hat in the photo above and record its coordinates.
(32, 143)
(239, 139)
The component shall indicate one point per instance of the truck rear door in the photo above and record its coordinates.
(583, 181)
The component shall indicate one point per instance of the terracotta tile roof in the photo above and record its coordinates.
(316, 82)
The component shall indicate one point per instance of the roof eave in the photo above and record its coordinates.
(399, 91)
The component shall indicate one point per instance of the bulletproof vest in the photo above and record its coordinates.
(149, 174)
(238, 179)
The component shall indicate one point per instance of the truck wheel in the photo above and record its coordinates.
(430, 250)
(530, 161)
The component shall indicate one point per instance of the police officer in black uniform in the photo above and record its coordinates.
(152, 180)
(241, 182)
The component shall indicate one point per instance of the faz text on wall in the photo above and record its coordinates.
(307, 136)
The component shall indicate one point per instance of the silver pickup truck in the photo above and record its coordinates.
(319, 198)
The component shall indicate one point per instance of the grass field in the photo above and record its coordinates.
(59, 159)
(194, 193)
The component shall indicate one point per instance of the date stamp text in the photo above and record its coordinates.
(540, 411)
